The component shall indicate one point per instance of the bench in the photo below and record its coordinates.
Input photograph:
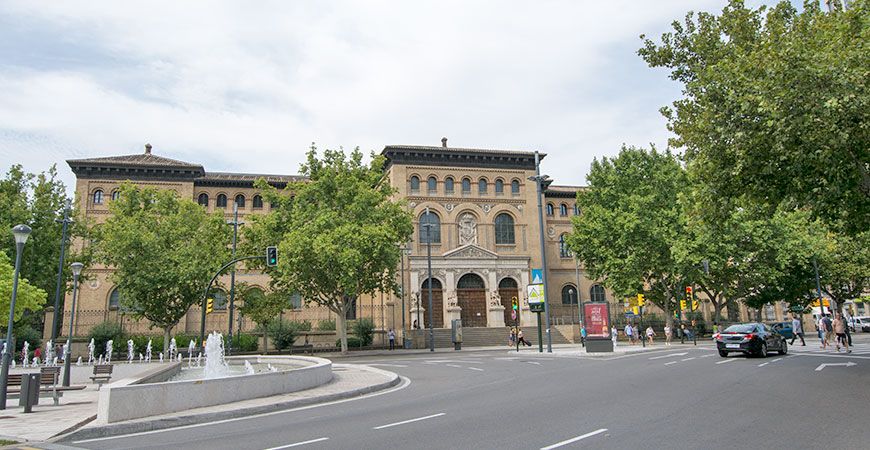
(48, 378)
(102, 374)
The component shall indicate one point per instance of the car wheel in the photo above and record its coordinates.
(783, 349)
(723, 353)
(763, 352)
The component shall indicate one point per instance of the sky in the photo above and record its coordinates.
(249, 86)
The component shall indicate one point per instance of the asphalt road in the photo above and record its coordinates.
(686, 398)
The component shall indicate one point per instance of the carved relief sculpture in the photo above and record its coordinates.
(467, 229)
(494, 299)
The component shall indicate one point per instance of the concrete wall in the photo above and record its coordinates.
(125, 400)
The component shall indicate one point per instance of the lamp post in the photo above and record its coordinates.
(55, 321)
(76, 271)
(428, 226)
(235, 223)
(579, 304)
(404, 250)
(21, 232)
(540, 180)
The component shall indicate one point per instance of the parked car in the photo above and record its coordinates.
(783, 328)
(752, 339)
(861, 323)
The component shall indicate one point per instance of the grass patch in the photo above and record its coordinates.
(7, 442)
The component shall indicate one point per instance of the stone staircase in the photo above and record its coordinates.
(488, 337)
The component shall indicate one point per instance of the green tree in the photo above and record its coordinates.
(259, 307)
(844, 265)
(163, 250)
(29, 296)
(340, 232)
(775, 104)
(631, 220)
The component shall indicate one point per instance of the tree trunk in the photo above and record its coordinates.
(669, 318)
(341, 328)
(717, 310)
(166, 340)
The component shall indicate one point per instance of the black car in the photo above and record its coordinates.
(750, 339)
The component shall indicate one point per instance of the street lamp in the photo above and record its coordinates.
(76, 268)
(428, 226)
(405, 251)
(579, 304)
(540, 182)
(235, 223)
(21, 232)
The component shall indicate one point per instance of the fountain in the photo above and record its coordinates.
(130, 351)
(190, 348)
(91, 359)
(25, 352)
(79, 362)
(173, 349)
(49, 352)
(161, 357)
(249, 369)
(215, 366)
(148, 351)
(109, 352)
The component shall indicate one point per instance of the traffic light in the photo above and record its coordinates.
(694, 305)
(640, 300)
(271, 256)
(515, 304)
(209, 306)
(688, 291)
(682, 304)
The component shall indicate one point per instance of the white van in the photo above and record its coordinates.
(861, 323)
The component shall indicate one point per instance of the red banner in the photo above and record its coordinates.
(597, 322)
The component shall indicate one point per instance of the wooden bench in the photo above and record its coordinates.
(102, 374)
(48, 379)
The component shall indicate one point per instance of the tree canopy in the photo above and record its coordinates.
(163, 250)
(775, 105)
(340, 232)
(29, 296)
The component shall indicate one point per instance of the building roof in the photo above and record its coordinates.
(245, 179)
(459, 156)
(140, 159)
(140, 166)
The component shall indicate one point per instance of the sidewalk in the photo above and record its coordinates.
(75, 417)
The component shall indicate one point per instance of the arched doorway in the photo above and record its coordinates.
(437, 304)
(471, 297)
(507, 289)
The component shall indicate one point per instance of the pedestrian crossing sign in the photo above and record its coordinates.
(537, 276)
(536, 293)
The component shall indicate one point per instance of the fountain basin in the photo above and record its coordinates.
(150, 396)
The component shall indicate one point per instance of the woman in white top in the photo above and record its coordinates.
(649, 334)
(667, 335)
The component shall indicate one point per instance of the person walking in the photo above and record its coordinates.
(668, 333)
(829, 329)
(583, 335)
(797, 330)
(391, 335)
(512, 337)
(635, 331)
(649, 335)
(839, 326)
(521, 339)
(820, 327)
(628, 334)
(613, 335)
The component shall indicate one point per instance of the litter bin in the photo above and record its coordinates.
(29, 391)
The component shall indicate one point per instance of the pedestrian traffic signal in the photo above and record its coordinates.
(694, 305)
(515, 304)
(640, 300)
(271, 256)
(209, 306)
(682, 304)
(688, 291)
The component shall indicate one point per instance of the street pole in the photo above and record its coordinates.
(235, 223)
(579, 303)
(539, 181)
(55, 321)
(429, 265)
(21, 232)
(402, 275)
(76, 270)
(819, 290)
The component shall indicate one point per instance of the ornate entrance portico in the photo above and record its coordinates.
(478, 306)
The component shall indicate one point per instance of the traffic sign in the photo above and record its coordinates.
(513, 314)
(640, 300)
(536, 297)
(537, 276)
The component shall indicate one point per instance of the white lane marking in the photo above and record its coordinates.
(407, 421)
(572, 440)
(475, 368)
(847, 364)
(706, 356)
(726, 361)
(763, 364)
(832, 355)
(777, 359)
(669, 355)
(388, 365)
(405, 383)
(687, 359)
(533, 362)
(669, 363)
(298, 443)
(513, 358)
(454, 365)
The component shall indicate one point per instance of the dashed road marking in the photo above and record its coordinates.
(475, 368)
(408, 421)
(297, 444)
(533, 362)
(687, 359)
(575, 439)
(454, 365)
(669, 363)
(669, 355)
(763, 364)
(726, 361)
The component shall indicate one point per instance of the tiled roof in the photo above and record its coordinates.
(232, 176)
(139, 159)
(436, 148)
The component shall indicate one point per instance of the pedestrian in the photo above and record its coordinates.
(583, 335)
(613, 335)
(668, 336)
(650, 334)
(829, 329)
(512, 337)
(839, 326)
(683, 332)
(820, 326)
(635, 331)
(797, 330)
(392, 336)
(628, 334)
(37, 354)
(521, 339)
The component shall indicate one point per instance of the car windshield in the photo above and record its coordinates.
(743, 328)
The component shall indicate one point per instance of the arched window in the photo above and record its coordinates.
(258, 202)
(507, 283)
(515, 186)
(415, 183)
(550, 209)
(470, 281)
(504, 229)
(576, 210)
(435, 284)
(98, 197)
(115, 299)
(351, 310)
(202, 199)
(564, 251)
(221, 201)
(220, 299)
(563, 210)
(499, 186)
(116, 195)
(596, 293)
(448, 185)
(240, 201)
(466, 186)
(481, 186)
(434, 229)
(295, 300)
(432, 185)
(569, 295)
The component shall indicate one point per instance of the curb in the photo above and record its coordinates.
(192, 419)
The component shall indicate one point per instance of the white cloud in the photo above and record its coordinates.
(247, 86)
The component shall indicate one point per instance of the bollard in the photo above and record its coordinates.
(29, 391)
